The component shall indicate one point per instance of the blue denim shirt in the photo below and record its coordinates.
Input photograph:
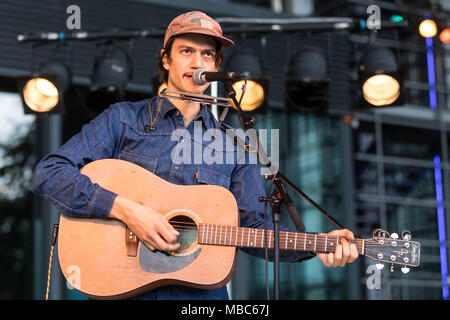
(120, 132)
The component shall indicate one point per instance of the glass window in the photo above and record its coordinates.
(410, 142)
(16, 163)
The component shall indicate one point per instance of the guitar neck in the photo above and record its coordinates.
(255, 238)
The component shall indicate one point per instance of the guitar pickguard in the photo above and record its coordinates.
(162, 262)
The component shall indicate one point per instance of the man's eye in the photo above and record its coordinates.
(186, 51)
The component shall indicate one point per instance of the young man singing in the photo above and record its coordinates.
(141, 132)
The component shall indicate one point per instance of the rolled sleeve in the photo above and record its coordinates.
(57, 177)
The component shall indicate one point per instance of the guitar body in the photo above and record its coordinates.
(96, 258)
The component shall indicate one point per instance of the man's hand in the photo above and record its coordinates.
(149, 226)
(345, 252)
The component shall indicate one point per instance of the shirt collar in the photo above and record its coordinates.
(204, 115)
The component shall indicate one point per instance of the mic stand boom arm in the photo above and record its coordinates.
(282, 196)
(262, 157)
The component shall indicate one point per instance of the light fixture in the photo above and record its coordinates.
(256, 85)
(43, 91)
(380, 79)
(397, 18)
(428, 28)
(307, 84)
(112, 71)
(444, 36)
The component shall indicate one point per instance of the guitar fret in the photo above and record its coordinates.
(248, 240)
(231, 234)
(295, 242)
(215, 235)
(269, 238)
(235, 240)
(256, 233)
(315, 241)
(304, 244)
(225, 240)
(212, 229)
(262, 238)
(220, 235)
(287, 236)
(326, 240)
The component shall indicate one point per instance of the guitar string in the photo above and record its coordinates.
(319, 242)
(293, 235)
(194, 226)
(368, 250)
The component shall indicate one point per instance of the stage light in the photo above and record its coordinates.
(428, 28)
(257, 84)
(43, 91)
(379, 78)
(444, 36)
(397, 18)
(112, 71)
(307, 83)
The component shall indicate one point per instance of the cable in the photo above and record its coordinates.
(54, 236)
(266, 250)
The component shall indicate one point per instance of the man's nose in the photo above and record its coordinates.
(196, 62)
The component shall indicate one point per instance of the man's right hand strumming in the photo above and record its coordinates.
(149, 226)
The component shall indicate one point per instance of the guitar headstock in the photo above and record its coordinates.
(385, 247)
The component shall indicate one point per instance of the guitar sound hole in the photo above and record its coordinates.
(188, 234)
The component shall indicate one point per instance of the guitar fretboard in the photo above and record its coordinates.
(255, 238)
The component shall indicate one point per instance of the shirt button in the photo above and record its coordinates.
(177, 167)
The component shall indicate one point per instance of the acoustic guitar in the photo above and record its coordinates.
(103, 259)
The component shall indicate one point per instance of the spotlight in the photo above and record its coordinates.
(444, 36)
(43, 91)
(111, 74)
(379, 78)
(257, 84)
(428, 28)
(307, 83)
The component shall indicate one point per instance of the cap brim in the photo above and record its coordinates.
(225, 42)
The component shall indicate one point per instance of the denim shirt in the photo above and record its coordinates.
(120, 132)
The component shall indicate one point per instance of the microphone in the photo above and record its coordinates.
(201, 77)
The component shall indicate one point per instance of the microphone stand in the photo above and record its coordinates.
(280, 196)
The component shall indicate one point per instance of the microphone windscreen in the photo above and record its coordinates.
(196, 77)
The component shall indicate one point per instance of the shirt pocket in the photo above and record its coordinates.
(145, 162)
(207, 176)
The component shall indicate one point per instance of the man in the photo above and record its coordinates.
(142, 132)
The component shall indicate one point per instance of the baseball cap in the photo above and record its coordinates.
(196, 22)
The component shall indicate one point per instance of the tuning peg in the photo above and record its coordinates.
(405, 269)
(406, 235)
(394, 236)
(379, 266)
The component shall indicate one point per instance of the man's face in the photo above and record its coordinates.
(189, 52)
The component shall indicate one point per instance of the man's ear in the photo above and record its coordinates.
(164, 59)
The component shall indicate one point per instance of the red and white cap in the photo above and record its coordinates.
(196, 22)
